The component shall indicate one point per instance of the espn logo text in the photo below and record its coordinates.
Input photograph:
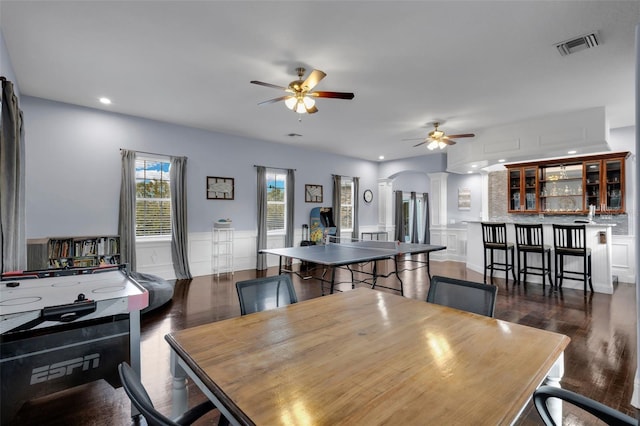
(64, 368)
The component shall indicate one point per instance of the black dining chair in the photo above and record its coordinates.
(264, 293)
(464, 295)
(140, 399)
(530, 240)
(571, 240)
(494, 238)
(597, 409)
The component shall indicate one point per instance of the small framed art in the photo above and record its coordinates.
(313, 193)
(220, 188)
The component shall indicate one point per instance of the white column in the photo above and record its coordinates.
(385, 206)
(438, 196)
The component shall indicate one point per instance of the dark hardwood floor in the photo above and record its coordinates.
(600, 361)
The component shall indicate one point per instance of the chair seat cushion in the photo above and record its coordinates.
(523, 247)
(498, 246)
(572, 251)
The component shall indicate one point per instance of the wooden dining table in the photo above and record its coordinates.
(365, 357)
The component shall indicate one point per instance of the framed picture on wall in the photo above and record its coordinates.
(464, 199)
(312, 193)
(220, 188)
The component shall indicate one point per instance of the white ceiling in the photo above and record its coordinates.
(472, 64)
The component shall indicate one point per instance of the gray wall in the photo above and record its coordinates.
(73, 169)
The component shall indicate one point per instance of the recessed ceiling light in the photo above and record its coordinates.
(474, 166)
(573, 151)
(469, 172)
(502, 160)
(105, 101)
(381, 157)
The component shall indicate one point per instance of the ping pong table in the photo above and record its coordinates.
(334, 255)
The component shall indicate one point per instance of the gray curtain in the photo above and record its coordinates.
(399, 218)
(261, 240)
(13, 247)
(414, 219)
(127, 212)
(336, 201)
(355, 235)
(425, 209)
(291, 182)
(179, 229)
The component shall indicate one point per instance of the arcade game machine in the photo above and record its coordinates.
(322, 224)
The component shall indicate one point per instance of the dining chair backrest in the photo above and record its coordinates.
(597, 409)
(529, 235)
(464, 295)
(570, 237)
(140, 399)
(494, 234)
(264, 293)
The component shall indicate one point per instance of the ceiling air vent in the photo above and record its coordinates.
(577, 44)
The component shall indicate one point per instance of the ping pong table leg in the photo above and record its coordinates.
(280, 265)
(395, 265)
(374, 272)
(427, 254)
(333, 280)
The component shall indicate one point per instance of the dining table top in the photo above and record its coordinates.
(366, 357)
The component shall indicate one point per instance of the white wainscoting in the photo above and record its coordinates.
(623, 266)
(455, 239)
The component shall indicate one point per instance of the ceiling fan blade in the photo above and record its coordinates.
(261, 83)
(421, 143)
(464, 135)
(313, 79)
(270, 101)
(312, 110)
(335, 95)
(448, 141)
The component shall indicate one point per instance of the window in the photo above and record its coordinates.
(407, 216)
(346, 205)
(153, 198)
(276, 201)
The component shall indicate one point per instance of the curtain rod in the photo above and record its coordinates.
(279, 168)
(333, 174)
(149, 153)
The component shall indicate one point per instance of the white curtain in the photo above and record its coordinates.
(127, 212)
(13, 246)
(179, 229)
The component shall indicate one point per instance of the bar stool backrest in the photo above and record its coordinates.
(494, 234)
(530, 235)
(570, 237)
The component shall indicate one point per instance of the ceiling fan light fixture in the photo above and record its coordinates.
(300, 104)
(441, 144)
(432, 145)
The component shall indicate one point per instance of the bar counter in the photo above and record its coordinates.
(599, 240)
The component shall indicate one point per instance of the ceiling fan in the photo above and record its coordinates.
(301, 95)
(438, 139)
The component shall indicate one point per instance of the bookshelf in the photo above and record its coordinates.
(73, 252)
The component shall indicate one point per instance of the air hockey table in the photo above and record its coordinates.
(65, 328)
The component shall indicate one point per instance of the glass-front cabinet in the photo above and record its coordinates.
(561, 189)
(523, 187)
(569, 185)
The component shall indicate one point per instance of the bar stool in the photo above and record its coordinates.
(570, 240)
(530, 239)
(494, 237)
